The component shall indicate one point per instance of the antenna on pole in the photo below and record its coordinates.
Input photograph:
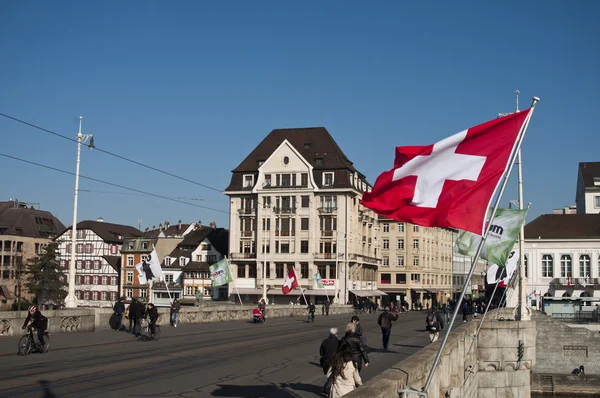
(517, 92)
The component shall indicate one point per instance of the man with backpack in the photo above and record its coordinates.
(385, 322)
(434, 323)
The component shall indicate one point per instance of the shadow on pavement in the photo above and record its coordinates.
(409, 345)
(47, 392)
(265, 391)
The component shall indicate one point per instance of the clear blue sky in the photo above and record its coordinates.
(192, 87)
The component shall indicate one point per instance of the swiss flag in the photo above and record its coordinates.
(291, 282)
(450, 183)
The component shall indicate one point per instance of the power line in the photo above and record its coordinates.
(132, 194)
(111, 153)
(111, 184)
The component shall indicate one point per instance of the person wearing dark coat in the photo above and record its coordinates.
(385, 322)
(153, 316)
(329, 347)
(136, 313)
(119, 310)
(354, 342)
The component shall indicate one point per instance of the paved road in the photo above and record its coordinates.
(233, 359)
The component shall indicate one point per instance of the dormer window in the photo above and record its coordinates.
(267, 180)
(248, 181)
(167, 261)
(307, 145)
(328, 179)
(145, 245)
(319, 161)
(261, 162)
(182, 261)
(130, 245)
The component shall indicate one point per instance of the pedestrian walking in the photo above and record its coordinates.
(434, 323)
(344, 373)
(355, 346)
(136, 312)
(327, 304)
(329, 347)
(385, 322)
(119, 310)
(175, 307)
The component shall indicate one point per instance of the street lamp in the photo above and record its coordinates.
(71, 300)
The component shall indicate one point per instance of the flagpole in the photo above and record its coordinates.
(234, 284)
(481, 243)
(299, 285)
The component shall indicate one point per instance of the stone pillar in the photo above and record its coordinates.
(502, 371)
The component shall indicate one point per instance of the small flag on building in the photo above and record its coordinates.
(319, 281)
(220, 274)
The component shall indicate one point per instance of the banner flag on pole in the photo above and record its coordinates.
(452, 182)
(320, 283)
(149, 269)
(220, 274)
(501, 239)
(141, 274)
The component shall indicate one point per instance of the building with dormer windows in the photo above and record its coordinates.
(295, 202)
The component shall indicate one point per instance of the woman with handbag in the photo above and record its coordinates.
(344, 376)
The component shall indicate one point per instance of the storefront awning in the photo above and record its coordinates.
(319, 292)
(368, 293)
(380, 293)
(248, 291)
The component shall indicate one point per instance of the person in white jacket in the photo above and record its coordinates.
(345, 373)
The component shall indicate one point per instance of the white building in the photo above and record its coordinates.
(588, 188)
(295, 202)
(186, 268)
(98, 260)
(562, 256)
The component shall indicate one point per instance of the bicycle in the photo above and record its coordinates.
(311, 317)
(146, 334)
(29, 343)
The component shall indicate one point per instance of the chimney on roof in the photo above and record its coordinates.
(213, 224)
(100, 219)
(166, 224)
(179, 225)
(147, 229)
(160, 227)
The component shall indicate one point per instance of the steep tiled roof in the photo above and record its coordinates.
(196, 266)
(171, 230)
(218, 237)
(113, 261)
(312, 143)
(109, 232)
(23, 221)
(564, 226)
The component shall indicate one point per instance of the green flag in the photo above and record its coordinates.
(220, 274)
(319, 280)
(500, 240)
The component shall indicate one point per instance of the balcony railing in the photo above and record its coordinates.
(240, 256)
(325, 256)
(247, 234)
(162, 285)
(285, 232)
(327, 209)
(326, 233)
(271, 185)
(285, 210)
(243, 212)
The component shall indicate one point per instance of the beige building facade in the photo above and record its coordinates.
(295, 203)
(416, 263)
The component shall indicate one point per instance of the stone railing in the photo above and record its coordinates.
(91, 319)
(470, 367)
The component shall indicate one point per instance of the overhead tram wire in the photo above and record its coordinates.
(111, 184)
(112, 153)
(132, 194)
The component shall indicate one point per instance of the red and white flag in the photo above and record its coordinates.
(291, 282)
(451, 183)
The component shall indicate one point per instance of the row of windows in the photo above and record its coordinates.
(96, 296)
(88, 248)
(95, 280)
(281, 270)
(386, 279)
(399, 227)
(82, 264)
(283, 224)
(325, 247)
(192, 290)
(566, 265)
(11, 246)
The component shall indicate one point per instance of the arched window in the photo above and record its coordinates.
(584, 294)
(565, 294)
(547, 266)
(584, 265)
(566, 266)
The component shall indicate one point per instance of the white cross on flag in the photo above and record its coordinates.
(451, 183)
(291, 282)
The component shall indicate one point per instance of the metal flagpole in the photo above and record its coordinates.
(233, 280)
(479, 248)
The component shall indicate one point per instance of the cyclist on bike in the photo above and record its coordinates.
(153, 315)
(38, 321)
(311, 310)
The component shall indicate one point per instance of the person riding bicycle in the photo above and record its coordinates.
(153, 315)
(38, 321)
(311, 310)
